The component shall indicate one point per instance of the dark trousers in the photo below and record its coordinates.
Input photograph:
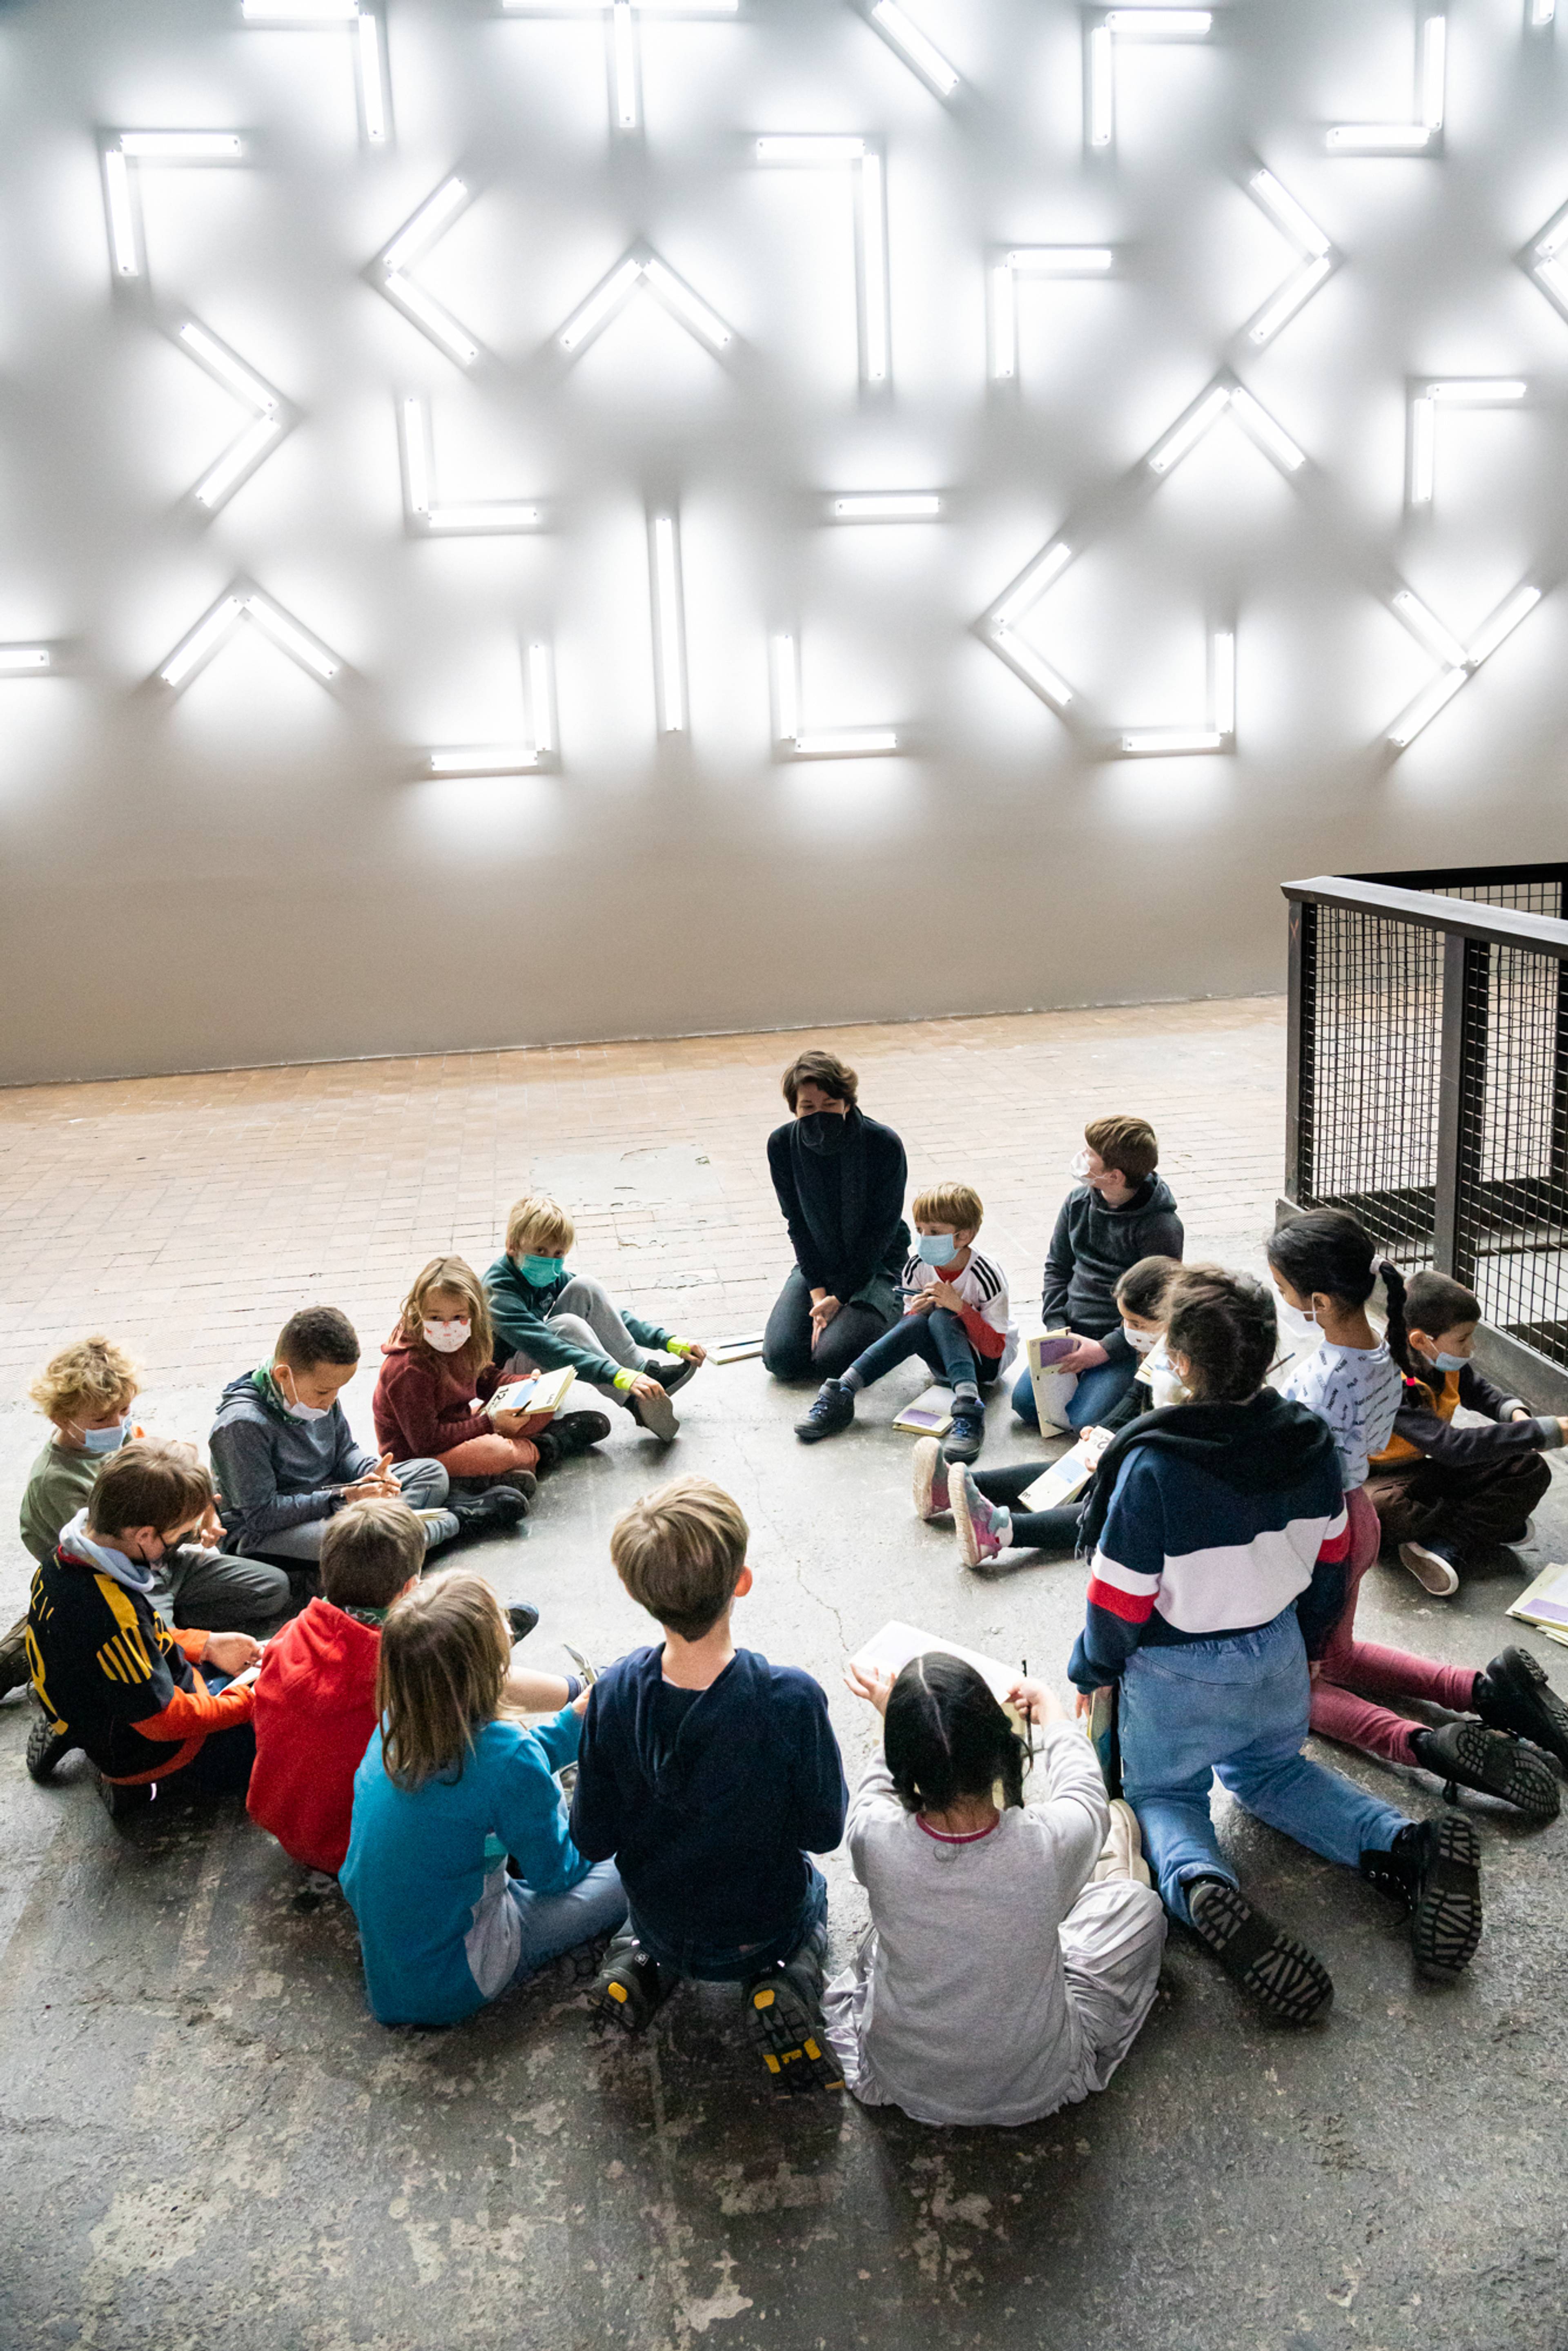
(787, 1349)
(1472, 1508)
(1033, 1529)
(802, 1940)
(938, 1338)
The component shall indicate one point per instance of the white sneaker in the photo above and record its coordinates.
(1431, 1570)
(931, 1499)
(1122, 1855)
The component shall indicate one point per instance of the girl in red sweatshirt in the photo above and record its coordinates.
(435, 1378)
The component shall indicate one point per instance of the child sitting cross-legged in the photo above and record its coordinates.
(108, 1672)
(984, 1502)
(1014, 1951)
(1324, 1265)
(436, 1379)
(546, 1317)
(1219, 1538)
(1446, 1493)
(712, 1777)
(955, 1319)
(287, 1461)
(451, 1785)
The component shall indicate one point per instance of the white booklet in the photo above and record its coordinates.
(891, 1649)
(1066, 1479)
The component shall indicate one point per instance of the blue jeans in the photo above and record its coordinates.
(554, 1923)
(938, 1337)
(1236, 1709)
(744, 1960)
(1092, 1398)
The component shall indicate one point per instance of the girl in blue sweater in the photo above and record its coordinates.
(451, 1785)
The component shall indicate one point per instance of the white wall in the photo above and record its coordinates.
(261, 868)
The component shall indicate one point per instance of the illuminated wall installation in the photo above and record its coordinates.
(530, 518)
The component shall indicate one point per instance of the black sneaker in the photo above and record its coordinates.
(522, 1620)
(629, 1990)
(967, 1434)
(1435, 1866)
(122, 1804)
(503, 1506)
(787, 2027)
(1271, 1967)
(1469, 1755)
(832, 1410)
(517, 1481)
(1513, 1694)
(569, 1433)
(672, 1372)
(46, 1747)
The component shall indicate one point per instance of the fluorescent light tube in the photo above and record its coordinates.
(1223, 711)
(300, 12)
(204, 639)
(122, 212)
(1288, 214)
(1427, 626)
(485, 759)
(1190, 431)
(667, 597)
(887, 506)
(417, 456)
(236, 460)
(1503, 623)
(1425, 707)
(599, 306)
(291, 638)
(1476, 391)
(1102, 87)
(1542, 12)
(624, 43)
(17, 660)
(1272, 438)
(798, 147)
(873, 267)
(1434, 52)
(227, 368)
(1032, 585)
(425, 225)
(1423, 450)
(846, 743)
(677, 295)
(1372, 137)
(1290, 299)
(1159, 23)
(541, 698)
(922, 55)
(785, 690)
(1032, 666)
(428, 313)
(494, 514)
(1172, 742)
(182, 146)
(373, 85)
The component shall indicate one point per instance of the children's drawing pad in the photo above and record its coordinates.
(1546, 1602)
(931, 1415)
(890, 1650)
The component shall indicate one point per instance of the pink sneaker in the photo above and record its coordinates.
(930, 1479)
(984, 1528)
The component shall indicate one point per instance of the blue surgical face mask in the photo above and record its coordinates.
(542, 1268)
(935, 1248)
(1450, 1363)
(107, 1440)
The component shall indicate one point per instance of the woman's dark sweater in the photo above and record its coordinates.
(844, 1209)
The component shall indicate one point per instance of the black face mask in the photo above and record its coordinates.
(826, 1131)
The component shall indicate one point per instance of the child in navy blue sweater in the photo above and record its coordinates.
(1219, 1538)
(711, 1777)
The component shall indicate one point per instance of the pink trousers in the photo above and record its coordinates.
(1354, 1671)
(488, 1457)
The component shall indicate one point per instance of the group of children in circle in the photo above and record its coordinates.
(661, 1822)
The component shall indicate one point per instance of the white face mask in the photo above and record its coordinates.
(1079, 1168)
(1165, 1386)
(297, 1411)
(446, 1337)
(1142, 1343)
(1295, 1319)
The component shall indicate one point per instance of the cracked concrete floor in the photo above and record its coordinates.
(207, 2140)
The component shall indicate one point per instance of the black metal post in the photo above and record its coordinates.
(1301, 1004)
(1461, 1093)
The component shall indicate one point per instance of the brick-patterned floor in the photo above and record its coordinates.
(187, 1216)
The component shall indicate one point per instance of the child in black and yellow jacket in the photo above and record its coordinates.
(1443, 1493)
(110, 1676)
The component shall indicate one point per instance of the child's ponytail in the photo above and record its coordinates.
(1397, 1333)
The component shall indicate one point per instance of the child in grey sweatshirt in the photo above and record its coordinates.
(1013, 1954)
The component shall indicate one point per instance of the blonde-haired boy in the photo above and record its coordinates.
(87, 1392)
(546, 1319)
(955, 1319)
(711, 1777)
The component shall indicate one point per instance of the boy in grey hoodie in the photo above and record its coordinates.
(1118, 1211)
(286, 1460)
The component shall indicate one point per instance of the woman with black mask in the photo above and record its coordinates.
(840, 1177)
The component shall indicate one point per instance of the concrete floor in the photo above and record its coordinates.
(206, 2140)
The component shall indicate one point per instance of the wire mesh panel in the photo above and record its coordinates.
(1511, 1206)
(1374, 1042)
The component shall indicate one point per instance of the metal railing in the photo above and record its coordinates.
(1427, 1087)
